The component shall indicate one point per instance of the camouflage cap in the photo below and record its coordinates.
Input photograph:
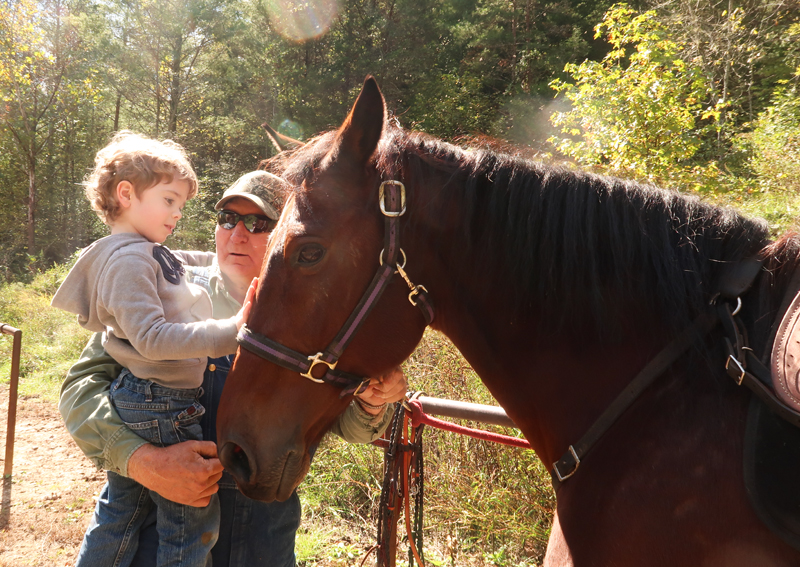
(266, 190)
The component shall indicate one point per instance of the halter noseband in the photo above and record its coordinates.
(392, 199)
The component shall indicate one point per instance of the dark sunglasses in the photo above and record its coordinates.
(253, 223)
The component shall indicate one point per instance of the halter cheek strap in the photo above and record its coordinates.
(392, 198)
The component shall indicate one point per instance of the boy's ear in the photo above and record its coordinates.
(124, 192)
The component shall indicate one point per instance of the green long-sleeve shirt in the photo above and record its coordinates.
(97, 428)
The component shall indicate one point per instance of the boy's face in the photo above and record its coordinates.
(155, 213)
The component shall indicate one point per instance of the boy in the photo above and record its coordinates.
(156, 325)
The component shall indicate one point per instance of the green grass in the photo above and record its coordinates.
(51, 339)
(780, 209)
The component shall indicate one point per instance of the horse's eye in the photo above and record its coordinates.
(310, 255)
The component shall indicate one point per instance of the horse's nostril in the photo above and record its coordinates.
(235, 460)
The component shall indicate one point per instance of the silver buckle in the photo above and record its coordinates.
(562, 478)
(314, 360)
(402, 199)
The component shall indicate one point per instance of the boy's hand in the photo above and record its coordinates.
(186, 473)
(249, 298)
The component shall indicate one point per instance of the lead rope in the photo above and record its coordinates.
(403, 478)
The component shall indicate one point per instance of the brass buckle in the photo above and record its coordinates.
(415, 292)
(562, 478)
(314, 360)
(402, 199)
(739, 368)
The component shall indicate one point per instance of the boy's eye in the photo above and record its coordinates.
(170, 201)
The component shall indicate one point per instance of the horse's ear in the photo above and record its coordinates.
(281, 142)
(361, 131)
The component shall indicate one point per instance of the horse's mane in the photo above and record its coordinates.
(563, 242)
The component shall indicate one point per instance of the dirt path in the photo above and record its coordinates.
(46, 506)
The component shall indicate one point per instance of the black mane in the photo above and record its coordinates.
(564, 242)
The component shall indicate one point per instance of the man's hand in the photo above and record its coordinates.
(186, 473)
(390, 387)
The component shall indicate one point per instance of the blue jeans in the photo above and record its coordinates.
(251, 534)
(163, 416)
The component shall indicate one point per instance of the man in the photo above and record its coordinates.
(251, 533)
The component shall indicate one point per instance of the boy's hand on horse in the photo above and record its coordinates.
(186, 473)
(244, 312)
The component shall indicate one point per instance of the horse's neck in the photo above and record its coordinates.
(551, 384)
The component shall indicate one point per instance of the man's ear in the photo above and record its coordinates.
(124, 193)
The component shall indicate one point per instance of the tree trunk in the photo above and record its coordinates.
(175, 86)
(31, 204)
(116, 112)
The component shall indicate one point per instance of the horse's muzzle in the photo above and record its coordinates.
(235, 461)
(275, 482)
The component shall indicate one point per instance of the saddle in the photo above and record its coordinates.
(772, 435)
(785, 357)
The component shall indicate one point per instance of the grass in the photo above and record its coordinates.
(51, 338)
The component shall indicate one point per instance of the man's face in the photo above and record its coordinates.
(240, 252)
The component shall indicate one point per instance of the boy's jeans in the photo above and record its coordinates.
(163, 416)
(252, 533)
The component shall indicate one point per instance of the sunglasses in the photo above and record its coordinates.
(253, 223)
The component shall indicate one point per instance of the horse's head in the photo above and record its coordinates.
(322, 256)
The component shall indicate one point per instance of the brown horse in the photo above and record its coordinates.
(557, 286)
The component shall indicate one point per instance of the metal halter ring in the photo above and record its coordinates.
(314, 360)
(403, 265)
(381, 192)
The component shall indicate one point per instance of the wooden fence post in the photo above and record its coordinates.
(12, 396)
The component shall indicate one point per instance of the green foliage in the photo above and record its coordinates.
(775, 142)
(639, 111)
(51, 338)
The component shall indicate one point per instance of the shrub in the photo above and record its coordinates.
(636, 112)
(775, 142)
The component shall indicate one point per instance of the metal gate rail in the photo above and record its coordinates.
(399, 477)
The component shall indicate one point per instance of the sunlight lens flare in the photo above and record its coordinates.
(300, 20)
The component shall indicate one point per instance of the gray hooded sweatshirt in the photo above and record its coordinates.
(156, 324)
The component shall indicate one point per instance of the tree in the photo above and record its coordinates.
(640, 110)
(38, 51)
(157, 53)
(740, 46)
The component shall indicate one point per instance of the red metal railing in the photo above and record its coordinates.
(403, 466)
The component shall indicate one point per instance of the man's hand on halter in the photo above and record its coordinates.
(390, 387)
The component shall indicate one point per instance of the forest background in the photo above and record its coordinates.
(697, 95)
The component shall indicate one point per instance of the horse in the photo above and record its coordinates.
(558, 287)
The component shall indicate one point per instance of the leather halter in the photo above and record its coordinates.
(392, 200)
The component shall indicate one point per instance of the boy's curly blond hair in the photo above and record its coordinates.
(143, 162)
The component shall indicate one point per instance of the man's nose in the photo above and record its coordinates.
(240, 233)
